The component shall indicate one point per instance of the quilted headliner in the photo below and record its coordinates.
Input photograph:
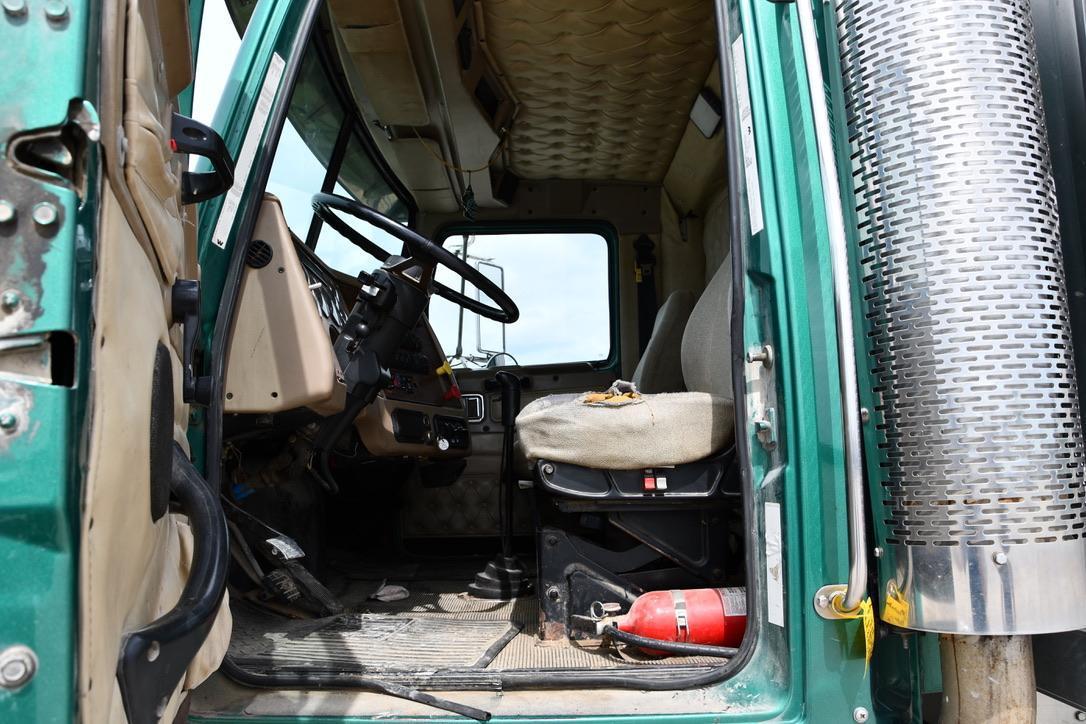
(605, 86)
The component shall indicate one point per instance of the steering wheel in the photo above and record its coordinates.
(424, 254)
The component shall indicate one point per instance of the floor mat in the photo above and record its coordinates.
(366, 642)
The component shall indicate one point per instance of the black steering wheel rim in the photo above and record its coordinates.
(423, 251)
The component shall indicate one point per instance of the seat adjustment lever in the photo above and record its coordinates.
(185, 309)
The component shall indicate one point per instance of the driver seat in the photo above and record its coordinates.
(655, 430)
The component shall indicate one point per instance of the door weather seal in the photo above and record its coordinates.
(348, 681)
(154, 658)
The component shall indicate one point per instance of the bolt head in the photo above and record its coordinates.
(8, 422)
(878, 552)
(1000, 558)
(859, 715)
(553, 593)
(14, 8)
(18, 664)
(7, 211)
(44, 213)
(548, 469)
(56, 10)
(1080, 716)
(9, 301)
(823, 601)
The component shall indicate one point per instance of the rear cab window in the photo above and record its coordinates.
(560, 280)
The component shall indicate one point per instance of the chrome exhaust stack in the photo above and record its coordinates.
(975, 446)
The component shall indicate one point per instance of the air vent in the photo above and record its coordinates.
(259, 254)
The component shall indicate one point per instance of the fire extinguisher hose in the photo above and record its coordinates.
(672, 647)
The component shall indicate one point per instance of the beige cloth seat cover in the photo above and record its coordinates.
(659, 429)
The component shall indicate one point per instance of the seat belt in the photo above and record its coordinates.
(646, 290)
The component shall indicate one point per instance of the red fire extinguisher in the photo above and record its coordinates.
(705, 616)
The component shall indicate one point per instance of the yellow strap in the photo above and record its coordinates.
(896, 610)
(866, 612)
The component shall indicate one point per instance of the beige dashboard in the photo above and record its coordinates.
(281, 358)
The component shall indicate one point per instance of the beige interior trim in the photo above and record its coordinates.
(375, 428)
(132, 570)
(173, 30)
(424, 174)
(374, 37)
(152, 171)
(680, 257)
(111, 96)
(697, 170)
(280, 355)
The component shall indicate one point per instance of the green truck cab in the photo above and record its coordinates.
(541, 360)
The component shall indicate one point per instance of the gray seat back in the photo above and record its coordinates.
(660, 366)
(706, 344)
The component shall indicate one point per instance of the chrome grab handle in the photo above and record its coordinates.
(832, 601)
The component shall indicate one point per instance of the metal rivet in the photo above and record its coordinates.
(44, 213)
(548, 469)
(7, 211)
(153, 651)
(18, 664)
(8, 422)
(56, 10)
(553, 593)
(859, 715)
(9, 301)
(1000, 558)
(1080, 716)
(878, 552)
(822, 601)
(14, 8)
(865, 414)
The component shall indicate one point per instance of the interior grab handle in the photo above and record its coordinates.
(835, 600)
(194, 138)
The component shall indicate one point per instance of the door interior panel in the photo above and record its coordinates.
(135, 554)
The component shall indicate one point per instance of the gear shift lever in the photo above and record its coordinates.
(503, 577)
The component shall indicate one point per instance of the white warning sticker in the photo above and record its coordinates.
(244, 163)
(746, 135)
(774, 564)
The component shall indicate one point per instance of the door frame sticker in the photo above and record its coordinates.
(244, 165)
(746, 134)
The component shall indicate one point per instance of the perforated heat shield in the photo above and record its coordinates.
(976, 443)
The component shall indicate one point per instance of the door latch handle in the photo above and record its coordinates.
(185, 308)
(196, 139)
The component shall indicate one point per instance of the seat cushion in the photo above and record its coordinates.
(656, 430)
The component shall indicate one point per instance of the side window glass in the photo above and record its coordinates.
(220, 40)
(311, 142)
(560, 282)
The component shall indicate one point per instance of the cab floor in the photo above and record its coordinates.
(438, 592)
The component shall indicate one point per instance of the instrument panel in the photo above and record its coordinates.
(420, 413)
